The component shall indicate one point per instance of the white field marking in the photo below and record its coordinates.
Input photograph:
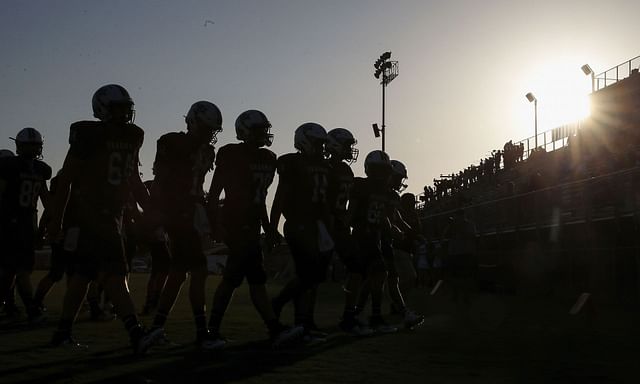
(435, 289)
(582, 299)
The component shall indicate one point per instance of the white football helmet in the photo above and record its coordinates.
(29, 143)
(398, 175)
(341, 145)
(204, 120)
(112, 103)
(254, 127)
(309, 139)
(6, 153)
(377, 165)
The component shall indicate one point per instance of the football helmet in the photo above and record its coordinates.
(6, 153)
(398, 175)
(377, 165)
(408, 200)
(341, 145)
(29, 143)
(204, 120)
(253, 126)
(309, 139)
(112, 102)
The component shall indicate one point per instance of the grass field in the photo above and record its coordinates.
(497, 339)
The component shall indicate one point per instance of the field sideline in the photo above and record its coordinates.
(497, 339)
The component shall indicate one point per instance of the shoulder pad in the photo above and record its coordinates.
(268, 154)
(82, 131)
(45, 169)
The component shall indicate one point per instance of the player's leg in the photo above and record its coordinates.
(178, 269)
(24, 269)
(189, 245)
(71, 303)
(232, 277)
(197, 299)
(113, 278)
(296, 287)
(160, 263)
(172, 288)
(321, 268)
(377, 275)
(115, 285)
(60, 261)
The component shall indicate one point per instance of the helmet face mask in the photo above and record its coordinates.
(398, 176)
(310, 139)
(29, 143)
(112, 103)
(204, 121)
(341, 145)
(254, 128)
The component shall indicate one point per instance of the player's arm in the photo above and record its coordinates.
(266, 225)
(283, 193)
(58, 203)
(213, 197)
(354, 203)
(139, 190)
(44, 196)
(399, 221)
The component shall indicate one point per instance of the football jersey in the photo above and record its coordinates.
(180, 166)
(24, 180)
(309, 180)
(109, 155)
(340, 184)
(373, 203)
(246, 173)
(394, 202)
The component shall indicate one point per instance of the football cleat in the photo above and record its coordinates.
(355, 328)
(211, 342)
(162, 338)
(313, 328)
(287, 336)
(412, 319)
(37, 318)
(378, 324)
(65, 340)
(147, 340)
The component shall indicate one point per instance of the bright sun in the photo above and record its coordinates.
(562, 91)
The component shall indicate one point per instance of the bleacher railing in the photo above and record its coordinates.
(615, 74)
(605, 197)
(550, 140)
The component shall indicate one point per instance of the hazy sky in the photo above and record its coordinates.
(465, 67)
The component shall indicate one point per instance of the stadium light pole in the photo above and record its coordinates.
(589, 72)
(533, 99)
(388, 70)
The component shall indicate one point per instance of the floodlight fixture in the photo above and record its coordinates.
(376, 130)
(530, 97)
(589, 72)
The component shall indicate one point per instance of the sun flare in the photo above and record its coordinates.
(562, 91)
